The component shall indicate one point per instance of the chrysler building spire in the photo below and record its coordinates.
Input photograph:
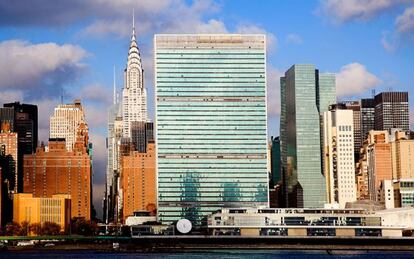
(134, 94)
(133, 21)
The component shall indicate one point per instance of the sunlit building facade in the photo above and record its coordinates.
(305, 95)
(138, 182)
(339, 164)
(56, 170)
(65, 121)
(210, 124)
(30, 209)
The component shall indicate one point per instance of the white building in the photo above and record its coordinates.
(65, 122)
(134, 95)
(300, 222)
(339, 156)
(113, 143)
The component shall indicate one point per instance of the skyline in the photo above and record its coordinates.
(69, 49)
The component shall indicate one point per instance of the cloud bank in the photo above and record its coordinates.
(354, 79)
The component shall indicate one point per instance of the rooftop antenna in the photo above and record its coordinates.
(114, 96)
(133, 21)
(61, 96)
(373, 93)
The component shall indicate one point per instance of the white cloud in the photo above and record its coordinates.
(11, 96)
(355, 79)
(345, 10)
(185, 18)
(294, 38)
(271, 39)
(38, 68)
(95, 93)
(389, 45)
(405, 22)
(273, 90)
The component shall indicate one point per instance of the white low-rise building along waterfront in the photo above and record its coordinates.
(310, 222)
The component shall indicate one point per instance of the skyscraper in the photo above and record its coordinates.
(134, 94)
(7, 115)
(138, 182)
(210, 124)
(339, 164)
(379, 161)
(25, 123)
(56, 170)
(65, 121)
(112, 168)
(355, 106)
(367, 118)
(8, 171)
(9, 157)
(141, 134)
(391, 111)
(305, 95)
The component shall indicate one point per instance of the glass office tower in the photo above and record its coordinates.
(210, 124)
(305, 95)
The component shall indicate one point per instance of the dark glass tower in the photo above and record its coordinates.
(367, 117)
(142, 134)
(7, 115)
(25, 125)
(391, 111)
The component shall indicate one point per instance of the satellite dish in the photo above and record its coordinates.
(184, 226)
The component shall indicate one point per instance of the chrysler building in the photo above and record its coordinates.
(134, 95)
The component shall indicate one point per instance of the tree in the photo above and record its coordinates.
(25, 228)
(13, 229)
(50, 228)
(81, 226)
(36, 229)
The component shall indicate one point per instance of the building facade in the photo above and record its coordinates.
(305, 95)
(139, 182)
(339, 164)
(25, 124)
(403, 154)
(9, 158)
(210, 124)
(134, 94)
(310, 222)
(355, 107)
(55, 170)
(112, 168)
(30, 209)
(379, 162)
(391, 111)
(367, 117)
(65, 122)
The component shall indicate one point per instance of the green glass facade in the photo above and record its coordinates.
(305, 95)
(210, 124)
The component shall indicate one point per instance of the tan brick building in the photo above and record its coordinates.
(56, 209)
(379, 155)
(138, 181)
(55, 170)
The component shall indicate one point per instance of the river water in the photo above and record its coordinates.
(250, 254)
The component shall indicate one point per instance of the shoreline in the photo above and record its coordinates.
(165, 244)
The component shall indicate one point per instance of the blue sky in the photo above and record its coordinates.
(52, 47)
